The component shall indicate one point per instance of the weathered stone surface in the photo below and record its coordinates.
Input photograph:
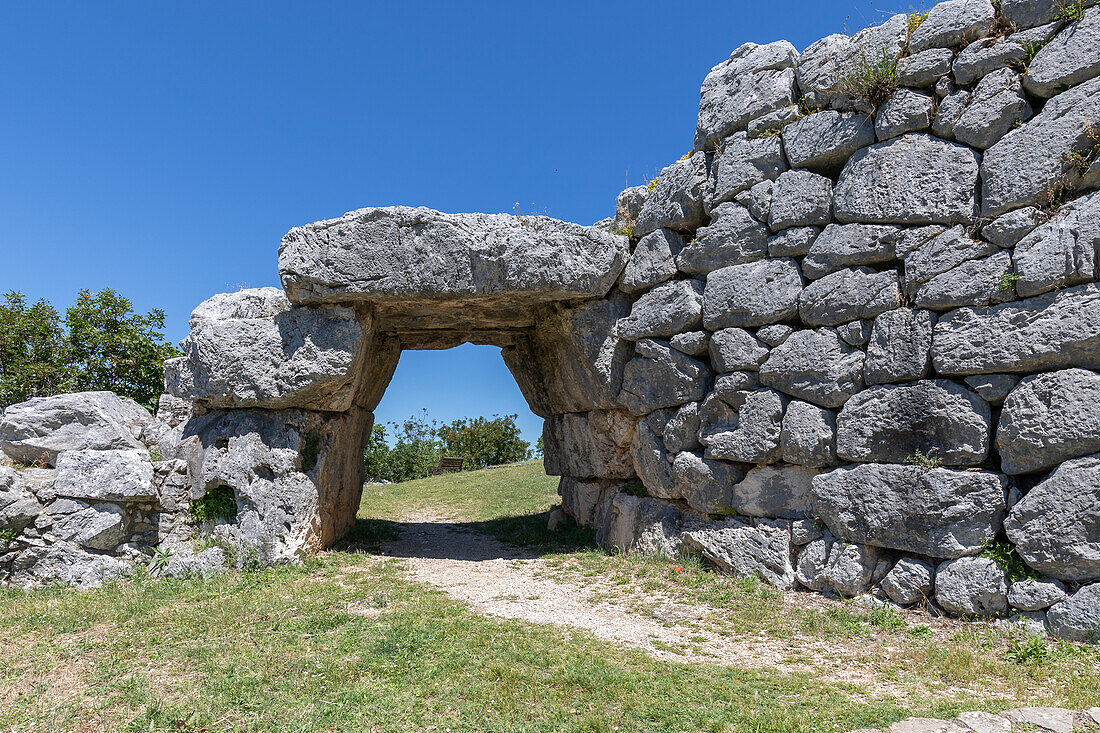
(900, 343)
(726, 386)
(940, 512)
(173, 411)
(972, 586)
(913, 179)
(707, 486)
(580, 499)
(692, 343)
(758, 200)
(750, 552)
(752, 294)
(1022, 166)
(682, 430)
(774, 120)
(989, 54)
(68, 564)
(754, 436)
(109, 475)
(651, 462)
(855, 333)
(1071, 57)
(800, 198)
(401, 253)
(942, 253)
(810, 567)
(774, 335)
(1050, 719)
(99, 527)
(628, 204)
(973, 283)
(641, 525)
(775, 491)
(1008, 229)
(38, 429)
(951, 23)
(1035, 595)
(951, 108)
(18, 505)
(734, 349)
(849, 245)
(733, 237)
(808, 436)
(589, 445)
(993, 388)
(822, 142)
(847, 295)
(652, 262)
(1050, 331)
(823, 65)
(1078, 617)
(664, 311)
(815, 366)
(754, 81)
(910, 581)
(890, 423)
(850, 568)
(1049, 418)
(676, 202)
(996, 105)
(925, 68)
(280, 357)
(793, 242)
(741, 163)
(1029, 13)
(1062, 251)
(659, 376)
(905, 111)
(1056, 526)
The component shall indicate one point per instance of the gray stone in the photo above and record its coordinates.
(1057, 720)
(972, 586)
(664, 311)
(173, 411)
(941, 254)
(775, 491)
(774, 335)
(1029, 13)
(774, 120)
(589, 445)
(754, 436)
(734, 349)
(1008, 229)
(793, 242)
(1050, 331)
(399, 252)
(109, 475)
(1049, 418)
(641, 525)
(996, 105)
(1036, 595)
(893, 422)
(628, 204)
(824, 64)
(1023, 165)
(742, 162)
(1056, 526)
(913, 179)
(973, 283)
(1032, 623)
(732, 238)
(1078, 617)
(815, 366)
(682, 430)
(18, 506)
(68, 564)
(652, 462)
(692, 343)
(951, 108)
(1071, 57)
(915, 237)
(812, 559)
(707, 486)
(850, 568)
(652, 262)
(823, 141)
(800, 198)
(952, 23)
(749, 552)
(726, 386)
(849, 245)
(1062, 251)
(993, 388)
(940, 512)
(758, 200)
(805, 531)
(925, 68)
(38, 429)
(584, 500)
(847, 295)
(96, 527)
(205, 564)
(910, 581)
(752, 294)
(855, 333)
(754, 80)
(676, 202)
(900, 343)
(905, 111)
(989, 54)
(660, 377)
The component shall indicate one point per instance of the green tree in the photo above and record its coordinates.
(32, 351)
(484, 442)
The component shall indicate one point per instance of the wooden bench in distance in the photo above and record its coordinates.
(447, 464)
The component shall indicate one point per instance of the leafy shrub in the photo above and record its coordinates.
(217, 503)
(1008, 560)
(923, 461)
(1032, 651)
(871, 80)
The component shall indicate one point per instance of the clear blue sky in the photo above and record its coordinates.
(163, 148)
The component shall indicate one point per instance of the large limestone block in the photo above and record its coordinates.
(986, 55)
(582, 500)
(753, 437)
(589, 445)
(652, 262)
(109, 475)
(753, 81)
(800, 198)
(1049, 418)
(849, 245)
(905, 111)
(816, 366)
(996, 105)
(1062, 251)
(18, 505)
(38, 429)
(707, 486)
(744, 551)
(743, 162)
(1021, 167)
(735, 349)
(848, 295)
(937, 418)
(1071, 57)
(924, 69)
(940, 512)
(940, 254)
(99, 527)
(66, 563)
(641, 525)
(824, 64)
(628, 204)
(972, 586)
(666, 310)
(681, 432)
(775, 491)
(1035, 594)
(275, 357)
(952, 22)
(400, 253)
(1056, 526)
(660, 376)
(753, 294)
(974, 282)
(850, 569)
(909, 581)
(676, 201)
(822, 142)
(733, 237)
(1051, 331)
(900, 343)
(912, 179)
(652, 462)
(808, 437)
(1078, 618)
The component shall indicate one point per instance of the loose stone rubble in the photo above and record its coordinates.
(844, 346)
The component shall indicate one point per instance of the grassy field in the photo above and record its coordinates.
(347, 642)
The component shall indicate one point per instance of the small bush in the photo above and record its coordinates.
(1010, 562)
(871, 80)
(7, 534)
(634, 488)
(1033, 651)
(310, 450)
(923, 461)
(217, 503)
(1069, 11)
(1008, 280)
